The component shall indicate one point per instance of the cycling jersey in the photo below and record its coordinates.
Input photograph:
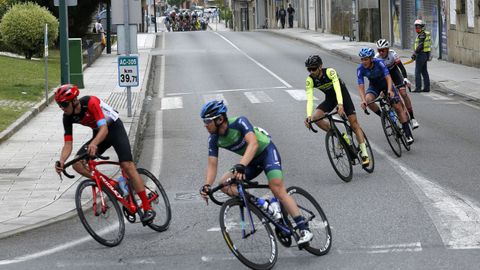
(390, 60)
(376, 75)
(266, 157)
(329, 83)
(94, 113)
(395, 66)
(234, 138)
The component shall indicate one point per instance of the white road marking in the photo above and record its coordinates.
(258, 97)
(227, 90)
(456, 217)
(169, 103)
(299, 94)
(437, 96)
(46, 252)
(210, 97)
(156, 164)
(409, 247)
(255, 61)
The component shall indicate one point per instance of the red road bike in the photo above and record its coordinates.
(97, 202)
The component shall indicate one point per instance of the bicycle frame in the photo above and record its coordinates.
(103, 180)
(245, 197)
(352, 148)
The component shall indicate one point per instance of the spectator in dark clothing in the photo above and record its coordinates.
(277, 16)
(290, 11)
(282, 13)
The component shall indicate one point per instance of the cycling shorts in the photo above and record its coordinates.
(268, 161)
(116, 137)
(376, 92)
(330, 103)
(397, 77)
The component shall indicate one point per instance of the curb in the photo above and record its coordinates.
(25, 118)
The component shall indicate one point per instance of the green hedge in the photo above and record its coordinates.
(22, 29)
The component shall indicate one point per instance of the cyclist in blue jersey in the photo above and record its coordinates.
(380, 81)
(258, 154)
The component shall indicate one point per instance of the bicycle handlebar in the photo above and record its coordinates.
(228, 182)
(75, 160)
(321, 118)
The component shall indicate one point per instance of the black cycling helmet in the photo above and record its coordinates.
(313, 61)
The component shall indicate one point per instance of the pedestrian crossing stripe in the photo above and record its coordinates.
(299, 94)
(255, 97)
(169, 103)
(258, 97)
(210, 97)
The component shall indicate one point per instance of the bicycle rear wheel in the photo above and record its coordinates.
(253, 244)
(104, 225)
(392, 133)
(158, 200)
(339, 156)
(317, 221)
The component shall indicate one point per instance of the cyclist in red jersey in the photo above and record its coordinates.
(108, 130)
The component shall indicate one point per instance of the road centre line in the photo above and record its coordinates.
(255, 61)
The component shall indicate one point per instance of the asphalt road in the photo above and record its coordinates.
(419, 211)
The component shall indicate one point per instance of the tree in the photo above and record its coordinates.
(22, 28)
(79, 17)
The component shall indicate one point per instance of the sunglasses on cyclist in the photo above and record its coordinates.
(209, 119)
(63, 104)
(382, 50)
(312, 69)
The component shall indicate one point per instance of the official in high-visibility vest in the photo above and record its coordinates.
(421, 54)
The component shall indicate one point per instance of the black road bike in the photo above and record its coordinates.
(344, 154)
(391, 125)
(247, 227)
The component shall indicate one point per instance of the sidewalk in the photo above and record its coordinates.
(446, 77)
(31, 193)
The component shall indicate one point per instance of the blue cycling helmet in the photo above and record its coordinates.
(213, 108)
(366, 52)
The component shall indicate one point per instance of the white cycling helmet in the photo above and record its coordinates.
(382, 43)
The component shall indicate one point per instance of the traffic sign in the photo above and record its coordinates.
(128, 71)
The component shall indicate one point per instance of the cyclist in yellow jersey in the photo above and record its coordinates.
(336, 95)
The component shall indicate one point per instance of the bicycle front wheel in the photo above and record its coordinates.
(104, 224)
(251, 240)
(158, 200)
(371, 165)
(392, 133)
(339, 156)
(317, 221)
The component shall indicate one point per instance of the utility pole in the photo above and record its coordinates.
(109, 29)
(126, 22)
(64, 62)
(155, 15)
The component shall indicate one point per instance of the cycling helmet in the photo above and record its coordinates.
(419, 23)
(366, 52)
(213, 108)
(382, 44)
(66, 92)
(313, 61)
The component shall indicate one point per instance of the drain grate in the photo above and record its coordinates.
(118, 100)
(16, 171)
